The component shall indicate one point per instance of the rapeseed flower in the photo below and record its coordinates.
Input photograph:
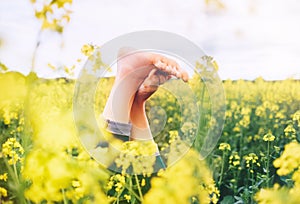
(234, 159)
(251, 159)
(12, 150)
(296, 118)
(141, 155)
(3, 177)
(3, 192)
(269, 137)
(224, 147)
(88, 49)
(290, 131)
(197, 180)
(127, 197)
(289, 160)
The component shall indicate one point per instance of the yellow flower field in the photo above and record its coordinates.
(42, 160)
(50, 149)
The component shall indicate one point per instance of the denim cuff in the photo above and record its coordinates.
(118, 128)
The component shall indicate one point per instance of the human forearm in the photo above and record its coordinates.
(140, 126)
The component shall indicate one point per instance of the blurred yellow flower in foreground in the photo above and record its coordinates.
(190, 172)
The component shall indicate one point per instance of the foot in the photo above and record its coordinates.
(150, 85)
(139, 64)
(133, 69)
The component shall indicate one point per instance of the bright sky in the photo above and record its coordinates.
(250, 38)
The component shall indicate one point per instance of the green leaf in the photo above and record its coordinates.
(227, 200)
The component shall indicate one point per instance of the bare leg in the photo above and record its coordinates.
(140, 126)
(138, 77)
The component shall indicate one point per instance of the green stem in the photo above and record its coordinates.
(252, 175)
(222, 170)
(252, 182)
(202, 98)
(135, 195)
(268, 165)
(16, 174)
(235, 183)
(37, 45)
(64, 196)
(129, 188)
(11, 171)
(241, 142)
(119, 194)
(139, 188)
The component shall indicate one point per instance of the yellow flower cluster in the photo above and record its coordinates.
(290, 131)
(251, 159)
(141, 155)
(289, 160)
(287, 164)
(12, 99)
(3, 177)
(269, 137)
(53, 14)
(117, 181)
(234, 159)
(296, 118)
(88, 49)
(57, 167)
(251, 138)
(224, 147)
(276, 196)
(13, 151)
(3, 192)
(173, 134)
(127, 197)
(192, 173)
(95, 60)
(259, 102)
(245, 120)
